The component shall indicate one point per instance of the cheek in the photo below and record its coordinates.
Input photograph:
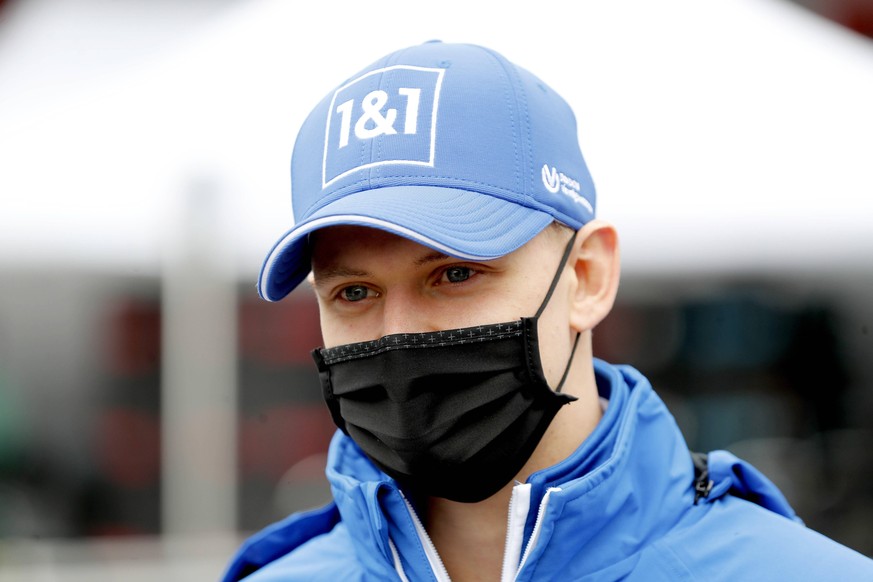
(336, 330)
(556, 339)
(482, 312)
(327, 333)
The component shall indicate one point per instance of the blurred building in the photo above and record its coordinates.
(856, 15)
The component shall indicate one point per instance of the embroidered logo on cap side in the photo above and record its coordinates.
(386, 116)
(556, 181)
(550, 179)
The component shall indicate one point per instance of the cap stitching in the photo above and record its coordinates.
(524, 200)
(376, 147)
(508, 93)
(528, 133)
(422, 183)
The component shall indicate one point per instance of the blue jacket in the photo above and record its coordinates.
(622, 507)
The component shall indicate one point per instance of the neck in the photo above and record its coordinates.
(470, 537)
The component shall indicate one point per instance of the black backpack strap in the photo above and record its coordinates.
(702, 483)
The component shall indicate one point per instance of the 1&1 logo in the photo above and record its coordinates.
(386, 116)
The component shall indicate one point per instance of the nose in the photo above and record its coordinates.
(404, 312)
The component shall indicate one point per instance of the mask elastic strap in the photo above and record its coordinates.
(570, 361)
(545, 302)
(557, 276)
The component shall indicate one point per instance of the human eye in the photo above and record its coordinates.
(354, 293)
(456, 274)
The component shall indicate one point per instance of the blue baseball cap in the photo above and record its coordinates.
(449, 145)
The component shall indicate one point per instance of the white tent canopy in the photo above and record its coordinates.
(721, 135)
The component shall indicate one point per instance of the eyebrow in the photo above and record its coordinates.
(431, 257)
(322, 276)
(340, 271)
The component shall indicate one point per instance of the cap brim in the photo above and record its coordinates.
(460, 223)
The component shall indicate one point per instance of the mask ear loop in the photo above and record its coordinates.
(545, 302)
(569, 362)
(557, 276)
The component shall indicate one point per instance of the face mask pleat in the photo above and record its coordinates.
(453, 442)
(489, 464)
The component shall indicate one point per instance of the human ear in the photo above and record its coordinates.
(596, 263)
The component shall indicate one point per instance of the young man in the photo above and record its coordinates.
(446, 214)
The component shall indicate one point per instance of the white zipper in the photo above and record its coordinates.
(398, 566)
(519, 506)
(433, 558)
(535, 534)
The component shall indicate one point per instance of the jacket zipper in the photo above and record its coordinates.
(398, 566)
(538, 526)
(519, 506)
(433, 558)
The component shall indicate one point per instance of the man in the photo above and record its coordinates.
(446, 214)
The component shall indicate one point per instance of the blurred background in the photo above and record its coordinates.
(154, 411)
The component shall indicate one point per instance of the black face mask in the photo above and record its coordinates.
(453, 414)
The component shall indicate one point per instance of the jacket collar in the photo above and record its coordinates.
(627, 484)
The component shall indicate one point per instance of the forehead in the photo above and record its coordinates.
(346, 233)
(337, 249)
(342, 240)
(346, 247)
